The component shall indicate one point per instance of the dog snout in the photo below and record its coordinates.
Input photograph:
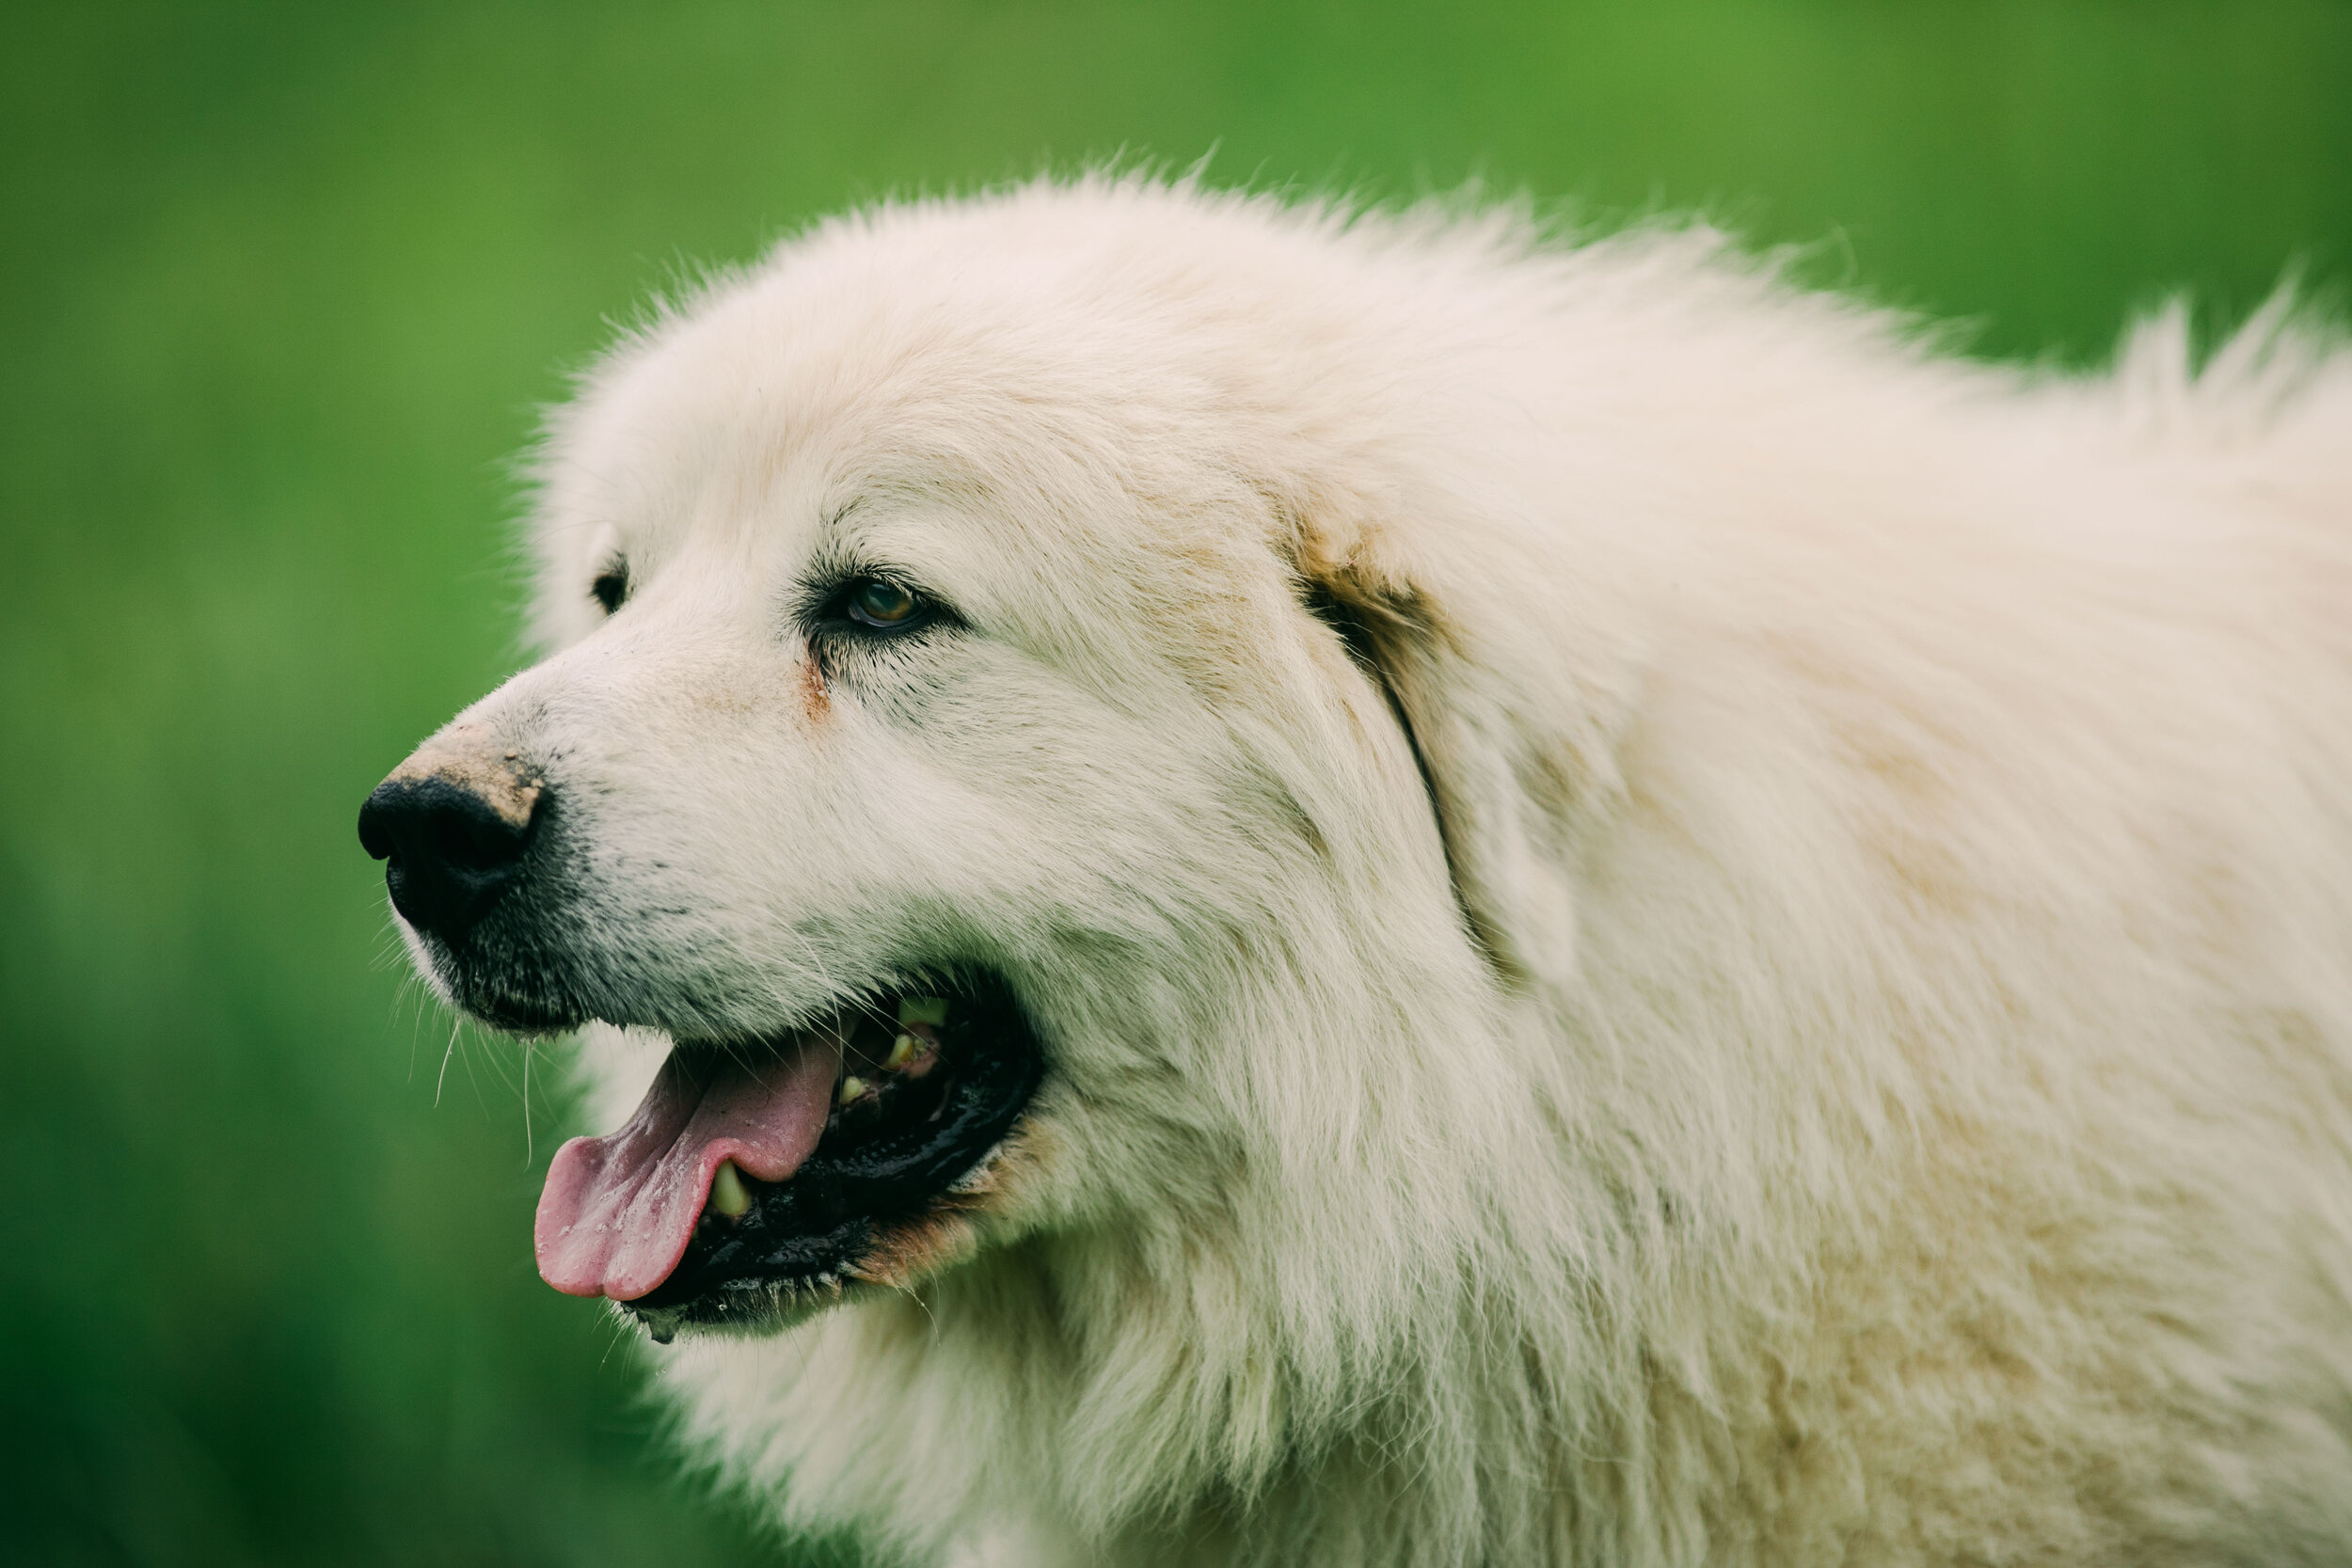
(452, 838)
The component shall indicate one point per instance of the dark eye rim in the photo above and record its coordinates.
(610, 587)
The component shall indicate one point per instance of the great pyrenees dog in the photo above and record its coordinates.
(1251, 883)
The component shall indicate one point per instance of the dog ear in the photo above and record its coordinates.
(1515, 764)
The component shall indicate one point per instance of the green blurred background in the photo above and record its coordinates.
(283, 285)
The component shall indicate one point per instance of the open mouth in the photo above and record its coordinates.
(751, 1177)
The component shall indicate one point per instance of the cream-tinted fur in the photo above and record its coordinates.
(1838, 1050)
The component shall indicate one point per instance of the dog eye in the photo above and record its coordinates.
(883, 605)
(611, 589)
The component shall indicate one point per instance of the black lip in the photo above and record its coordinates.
(523, 1016)
(815, 1230)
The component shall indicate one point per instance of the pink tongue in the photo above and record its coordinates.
(618, 1211)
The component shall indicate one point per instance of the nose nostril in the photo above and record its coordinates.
(450, 851)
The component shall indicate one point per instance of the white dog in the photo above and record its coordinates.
(1298, 888)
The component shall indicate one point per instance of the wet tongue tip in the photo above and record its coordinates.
(618, 1211)
(617, 1233)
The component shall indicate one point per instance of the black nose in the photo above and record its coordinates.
(450, 852)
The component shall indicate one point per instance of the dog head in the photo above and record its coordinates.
(1034, 731)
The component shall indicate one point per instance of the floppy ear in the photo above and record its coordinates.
(1516, 757)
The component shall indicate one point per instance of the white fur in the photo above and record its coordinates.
(1866, 1074)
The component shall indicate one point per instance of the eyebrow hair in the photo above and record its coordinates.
(834, 561)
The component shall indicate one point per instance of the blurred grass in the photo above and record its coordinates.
(281, 287)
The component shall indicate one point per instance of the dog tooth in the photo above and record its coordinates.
(851, 1087)
(902, 1050)
(728, 1195)
(922, 1009)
